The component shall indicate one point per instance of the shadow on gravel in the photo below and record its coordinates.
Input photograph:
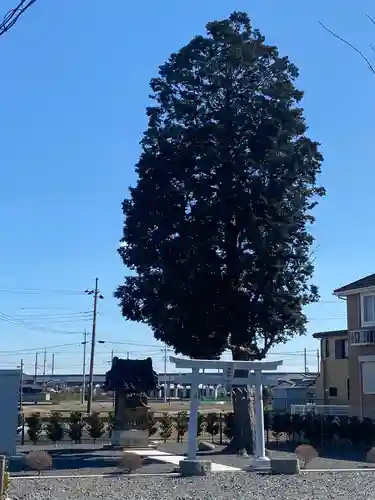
(330, 452)
(95, 463)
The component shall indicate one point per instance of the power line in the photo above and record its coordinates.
(12, 16)
(38, 291)
(30, 326)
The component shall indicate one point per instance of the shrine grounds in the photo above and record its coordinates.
(88, 472)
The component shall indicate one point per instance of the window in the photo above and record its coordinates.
(326, 348)
(362, 337)
(332, 391)
(368, 377)
(368, 310)
(341, 348)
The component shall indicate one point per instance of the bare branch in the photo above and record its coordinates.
(371, 19)
(12, 16)
(353, 47)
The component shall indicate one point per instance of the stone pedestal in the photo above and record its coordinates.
(195, 467)
(260, 463)
(130, 438)
(284, 466)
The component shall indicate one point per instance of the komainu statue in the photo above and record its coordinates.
(131, 380)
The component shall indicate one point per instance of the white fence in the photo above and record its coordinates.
(335, 410)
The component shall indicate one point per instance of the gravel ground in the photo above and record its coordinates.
(86, 461)
(336, 462)
(241, 486)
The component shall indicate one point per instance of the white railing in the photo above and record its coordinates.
(335, 410)
(362, 337)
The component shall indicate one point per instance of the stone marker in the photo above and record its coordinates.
(204, 446)
(195, 467)
(284, 466)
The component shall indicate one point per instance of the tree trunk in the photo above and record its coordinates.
(242, 440)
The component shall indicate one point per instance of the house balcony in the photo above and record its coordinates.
(362, 336)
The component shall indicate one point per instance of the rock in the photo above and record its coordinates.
(284, 466)
(195, 467)
(204, 446)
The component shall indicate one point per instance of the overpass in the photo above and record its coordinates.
(72, 380)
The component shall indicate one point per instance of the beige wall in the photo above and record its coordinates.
(361, 404)
(334, 373)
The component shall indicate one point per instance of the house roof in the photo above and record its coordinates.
(365, 282)
(329, 334)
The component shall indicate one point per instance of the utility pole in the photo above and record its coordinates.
(318, 359)
(21, 387)
(97, 296)
(83, 392)
(128, 355)
(36, 367)
(165, 374)
(44, 365)
(305, 360)
(53, 364)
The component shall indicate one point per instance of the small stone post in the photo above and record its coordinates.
(2, 475)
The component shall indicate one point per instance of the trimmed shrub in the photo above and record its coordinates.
(306, 453)
(55, 428)
(212, 424)
(95, 426)
(182, 424)
(75, 427)
(34, 426)
(152, 424)
(166, 427)
(130, 462)
(39, 460)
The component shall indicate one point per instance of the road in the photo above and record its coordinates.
(106, 407)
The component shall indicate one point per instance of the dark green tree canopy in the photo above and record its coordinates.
(217, 228)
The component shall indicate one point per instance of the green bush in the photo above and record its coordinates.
(212, 424)
(95, 425)
(110, 423)
(76, 426)
(182, 424)
(200, 423)
(166, 427)
(55, 428)
(35, 426)
(151, 424)
(228, 430)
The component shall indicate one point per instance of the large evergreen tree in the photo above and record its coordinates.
(217, 228)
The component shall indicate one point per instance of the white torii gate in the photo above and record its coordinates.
(227, 378)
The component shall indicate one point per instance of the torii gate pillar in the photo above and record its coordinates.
(260, 461)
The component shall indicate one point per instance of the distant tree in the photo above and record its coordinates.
(216, 230)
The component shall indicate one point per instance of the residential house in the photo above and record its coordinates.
(333, 385)
(289, 392)
(352, 379)
(360, 300)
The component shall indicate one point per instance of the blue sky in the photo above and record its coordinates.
(74, 87)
